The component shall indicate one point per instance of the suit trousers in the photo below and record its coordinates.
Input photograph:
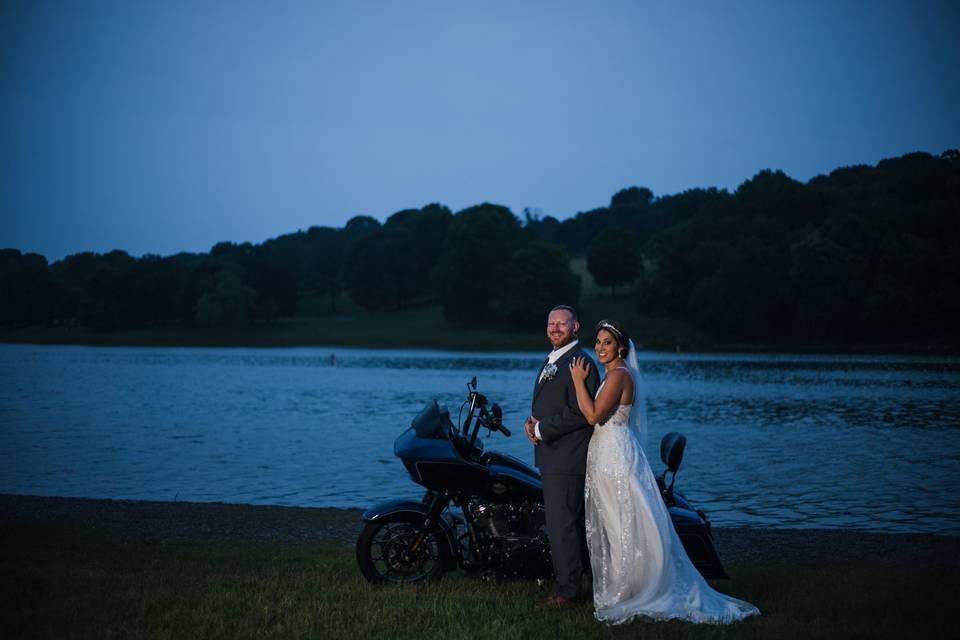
(563, 503)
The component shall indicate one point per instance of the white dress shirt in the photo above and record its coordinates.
(555, 355)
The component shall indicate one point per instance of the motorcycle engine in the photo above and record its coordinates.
(511, 538)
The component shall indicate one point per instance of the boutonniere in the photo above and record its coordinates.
(549, 371)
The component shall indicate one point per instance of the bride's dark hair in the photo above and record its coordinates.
(619, 332)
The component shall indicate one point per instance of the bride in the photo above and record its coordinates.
(639, 565)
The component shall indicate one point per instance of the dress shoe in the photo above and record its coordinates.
(557, 602)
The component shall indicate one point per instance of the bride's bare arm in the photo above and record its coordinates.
(596, 410)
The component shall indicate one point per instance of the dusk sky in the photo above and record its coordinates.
(159, 127)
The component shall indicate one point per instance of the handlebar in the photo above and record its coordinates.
(492, 418)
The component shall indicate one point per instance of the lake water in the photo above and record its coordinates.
(773, 440)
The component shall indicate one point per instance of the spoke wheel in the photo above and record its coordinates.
(385, 551)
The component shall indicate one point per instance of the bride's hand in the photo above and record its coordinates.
(579, 368)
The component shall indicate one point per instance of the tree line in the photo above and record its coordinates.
(866, 252)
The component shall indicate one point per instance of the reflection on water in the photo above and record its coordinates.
(774, 440)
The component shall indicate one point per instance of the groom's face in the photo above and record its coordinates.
(561, 328)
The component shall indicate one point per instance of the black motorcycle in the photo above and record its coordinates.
(483, 510)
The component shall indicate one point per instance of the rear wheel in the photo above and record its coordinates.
(385, 550)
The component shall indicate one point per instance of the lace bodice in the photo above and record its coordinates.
(619, 417)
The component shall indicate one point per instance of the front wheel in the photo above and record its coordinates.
(386, 553)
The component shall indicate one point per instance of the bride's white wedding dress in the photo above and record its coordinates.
(639, 565)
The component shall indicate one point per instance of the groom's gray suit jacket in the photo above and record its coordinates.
(564, 432)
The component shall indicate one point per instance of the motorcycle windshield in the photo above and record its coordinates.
(432, 422)
(428, 438)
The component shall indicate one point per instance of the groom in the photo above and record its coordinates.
(561, 435)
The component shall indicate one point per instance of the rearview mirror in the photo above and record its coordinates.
(671, 450)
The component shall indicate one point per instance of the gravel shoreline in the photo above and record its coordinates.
(164, 522)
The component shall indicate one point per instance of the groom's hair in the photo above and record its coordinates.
(565, 307)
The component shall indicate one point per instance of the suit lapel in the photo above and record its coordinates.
(536, 385)
(563, 364)
(560, 363)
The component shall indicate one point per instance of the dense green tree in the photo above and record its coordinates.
(27, 288)
(276, 288)
(745, 296)
(284, 253)
(75, 273)
(632, 197)
(279, 274)
(240, 254)
(228, 304)
(475, 261)
(544, 229)
(680, 255)
(269, 270)
(577, 232)
(631, 208)
(358, 228)
(426, 229)
(613, 257)
(539, 278)
(158, 282)
(773, 198)
(108, 301)
(355, 232)
(382, 274)
(323, 263)
(829, 284)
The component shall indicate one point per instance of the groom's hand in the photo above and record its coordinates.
(528, 429)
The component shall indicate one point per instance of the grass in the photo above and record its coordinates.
(60, 582)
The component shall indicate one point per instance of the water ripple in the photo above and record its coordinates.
(773, 440)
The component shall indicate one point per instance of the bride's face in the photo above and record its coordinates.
(606, 347)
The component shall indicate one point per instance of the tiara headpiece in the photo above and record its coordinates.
(612, 329)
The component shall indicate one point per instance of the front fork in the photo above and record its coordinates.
(436, 502)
